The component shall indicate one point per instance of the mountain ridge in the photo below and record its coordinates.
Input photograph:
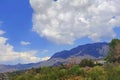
(90, 51)
(80, 47)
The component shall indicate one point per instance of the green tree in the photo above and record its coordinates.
(114, 52)
(86, 62)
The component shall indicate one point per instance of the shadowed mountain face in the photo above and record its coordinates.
(95, 50)
(89, 51)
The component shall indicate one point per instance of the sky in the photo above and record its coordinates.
(33, 30)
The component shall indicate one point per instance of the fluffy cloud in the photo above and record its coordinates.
(2, 32)
(9, 56)
(64, 21)
(25, 43)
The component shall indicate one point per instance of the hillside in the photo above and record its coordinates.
(89, 51)
(87, 69)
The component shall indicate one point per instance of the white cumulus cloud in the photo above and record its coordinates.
(9, 56)
(25, 43)
(64, 21)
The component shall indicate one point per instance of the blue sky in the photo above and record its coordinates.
(25, 29)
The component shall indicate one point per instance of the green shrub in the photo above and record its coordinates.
(97, 73)
(75, 70)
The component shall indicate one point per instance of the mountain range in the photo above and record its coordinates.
(89, 51)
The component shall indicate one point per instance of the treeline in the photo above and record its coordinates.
(86, 70)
